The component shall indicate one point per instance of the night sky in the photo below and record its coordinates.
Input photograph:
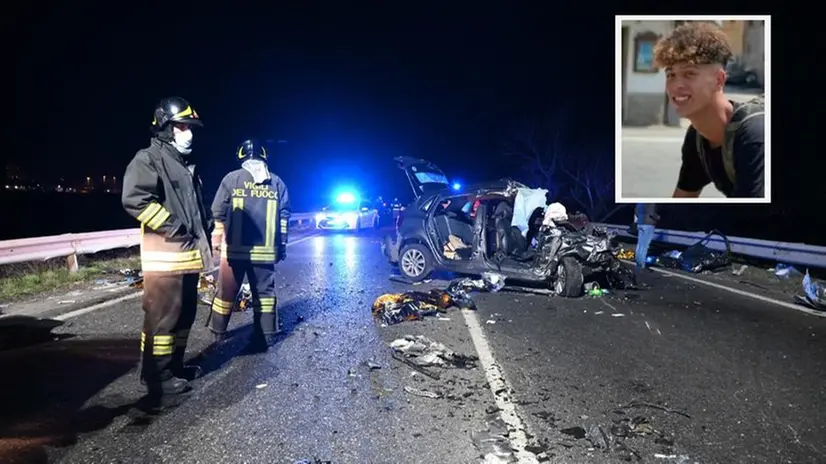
(347, 89)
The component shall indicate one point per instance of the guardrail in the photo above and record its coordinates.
(800, 254)
(71, 246)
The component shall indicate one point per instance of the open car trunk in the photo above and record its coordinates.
(423, 175)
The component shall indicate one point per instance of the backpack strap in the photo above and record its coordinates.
(742, 113)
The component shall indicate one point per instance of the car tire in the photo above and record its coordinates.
(569, 280)
(415, 262)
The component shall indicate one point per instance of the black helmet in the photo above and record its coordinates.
(174, 109)
(251, 149)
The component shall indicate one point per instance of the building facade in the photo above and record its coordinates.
(644, 102)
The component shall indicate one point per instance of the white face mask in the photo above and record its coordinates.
(182, 140)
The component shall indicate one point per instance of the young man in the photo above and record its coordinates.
(724, 144)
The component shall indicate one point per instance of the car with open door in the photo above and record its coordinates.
(472, 231)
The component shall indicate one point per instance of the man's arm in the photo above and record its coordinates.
(141, 197)
(220, 211)
(692, 178)
(749, 159)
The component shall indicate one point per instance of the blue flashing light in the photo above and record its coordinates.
(457, 186)
(345, 197)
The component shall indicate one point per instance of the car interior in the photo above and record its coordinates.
(452, 217)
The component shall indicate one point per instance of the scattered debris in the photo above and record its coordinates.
(784, 271)
(261, 385)
(814, 293)
(313, 461)
(625, 254)
(393, 308)
(492, 442)
(426, 352)
(618, 315)
(740, 271)
(576, 432)
(422, 393)
(67, 302)
(416, 367)
(134, 277)
(637, 404)
(373, 366)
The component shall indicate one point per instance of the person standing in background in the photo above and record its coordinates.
(645, 218)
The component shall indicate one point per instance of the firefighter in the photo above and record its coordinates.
(252, 213)
(163, 191)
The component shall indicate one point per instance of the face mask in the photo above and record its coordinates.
(182, 140)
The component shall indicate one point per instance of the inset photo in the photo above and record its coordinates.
(693, 109)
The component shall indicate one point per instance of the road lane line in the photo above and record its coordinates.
(106, 304)
(500, 388)
(762, 298)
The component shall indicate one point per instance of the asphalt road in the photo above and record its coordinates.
(683, 372)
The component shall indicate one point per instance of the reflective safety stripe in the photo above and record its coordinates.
(222, 307)
(267, 304)
(284, 226)
(237, 217)
(272, 214)
(160, 261)
(256, 254)
(154, 215)
(162, 345)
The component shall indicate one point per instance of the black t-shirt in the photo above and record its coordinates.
(749, 163)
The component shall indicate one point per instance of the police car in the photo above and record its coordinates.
(347, 213)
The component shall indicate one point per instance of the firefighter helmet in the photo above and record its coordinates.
(250, 149)
(174, 109)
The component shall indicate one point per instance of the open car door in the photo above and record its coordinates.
(423, 175)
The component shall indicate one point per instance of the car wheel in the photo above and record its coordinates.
(415, 262)
(569, 280)
(751, 79)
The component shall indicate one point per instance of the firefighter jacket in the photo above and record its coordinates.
(251, 217)
(164, 193)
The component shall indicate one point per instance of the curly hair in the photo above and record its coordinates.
(693, 43)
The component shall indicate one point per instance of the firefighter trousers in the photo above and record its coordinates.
(170, 304)
(261, 277)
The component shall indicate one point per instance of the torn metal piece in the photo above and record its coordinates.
(422, 393)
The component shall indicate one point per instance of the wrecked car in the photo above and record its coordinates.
(501, 226)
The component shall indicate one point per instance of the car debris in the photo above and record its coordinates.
(427, 353)
(814, 293)
(392, 308)
(492, 441)
(422, 393)
(502, 226)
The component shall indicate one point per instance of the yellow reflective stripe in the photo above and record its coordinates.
(186, 112)
(241, 255)
(272, 214)
(154, 215)
(222, 307)
(159, 261)
(162, 345)
(219, 226)
(267, 304)
(150, 210)
(284, 226)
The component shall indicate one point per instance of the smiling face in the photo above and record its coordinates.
(692, 87)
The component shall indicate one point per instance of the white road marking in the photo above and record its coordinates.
(106, 304)
(500, 388)
(765, 299)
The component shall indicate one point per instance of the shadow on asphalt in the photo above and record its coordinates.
(215, 356)
(45, 387)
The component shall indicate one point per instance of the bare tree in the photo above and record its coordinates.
(569, 169)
